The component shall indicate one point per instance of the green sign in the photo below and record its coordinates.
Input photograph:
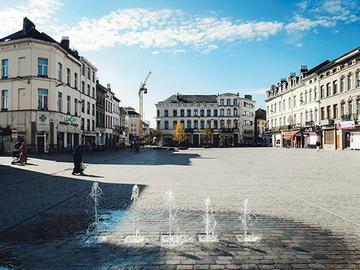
(42, 118)
(71, 120)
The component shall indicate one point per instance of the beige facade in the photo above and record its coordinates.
(40, 91)
(322, 102)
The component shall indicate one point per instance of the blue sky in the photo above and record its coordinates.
(194, 47)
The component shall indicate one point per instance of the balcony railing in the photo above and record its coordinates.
(349, 117)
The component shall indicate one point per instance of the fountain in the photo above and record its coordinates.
(210, 224)
(172, 239)
(135, 238)
(95, 195)
(248, 219)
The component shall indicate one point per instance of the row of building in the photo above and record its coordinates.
(321, 105)
(51, 97)
(228, 117)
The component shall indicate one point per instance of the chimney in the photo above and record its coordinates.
(303, 68)
(65, 43)
(109, 86)
(27, 25)
(249, 97)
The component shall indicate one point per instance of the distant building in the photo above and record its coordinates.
(260, 125)
(133, 122)
(228, 117)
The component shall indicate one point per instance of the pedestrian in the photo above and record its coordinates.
(77, 158)
(318, 145)
(23, 153)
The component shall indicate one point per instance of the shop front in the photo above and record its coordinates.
(311, 135)
(329, 138)
(290, 139)
(345, 131)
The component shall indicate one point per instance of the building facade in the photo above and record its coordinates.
(317, 105)
(260, 126)
(41, 97)
(228, 117)
(133, 123)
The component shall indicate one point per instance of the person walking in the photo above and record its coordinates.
(77, 158)
(318, 145)
(23, 153)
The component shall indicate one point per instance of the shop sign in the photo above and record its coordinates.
(346, 125)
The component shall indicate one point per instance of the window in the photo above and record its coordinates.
(188, 113)
(75, 80)
(157, 113)
(315, 94)
(322, 91)
(88, 73)
(202, 124)
(208, 123)
(316, 115)
(215, 112)
(228, 123)
(235, 102)
(294, 101)
(68, 104)
(208, 112)
(342, 84)
(306, 115)
(93, 92)
(93, 125)
(328, 112)
(215, 124)
(83, 87)
(5, 68)
(88, 89)
(306, 97)
(342, 108)
(196, 126)
(202, 112)
(350, 107)
(174, 124)
(334, 87)
(83, 70)
(221, 112)
(4, 99)
(82, 123)
(349, 82)
(328, 90)
(235, 112)
(83, 106)
(174, 113)
(228, 112)
(68, 76)
(182, 113)
(335, 111)
(301, 100)
(88, 124)
(59, 72)
(188, 123)
(93, 109)
(358, 79)
(221, 102)
(88, 107)
(42, 67)
(235, 124)
(93, 76)
(289, 105)
(166, 113)
(228, 102)
(42, 99)
(196, 112)
(76, 106)
(59, 102)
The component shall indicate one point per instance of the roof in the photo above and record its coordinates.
(133, 113)
(260, 114)
(191, 99)
(29, 31)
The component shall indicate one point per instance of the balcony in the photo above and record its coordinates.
(349, 117)
(309, 123)
(327, 122)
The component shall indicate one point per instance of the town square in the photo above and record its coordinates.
(158, 134)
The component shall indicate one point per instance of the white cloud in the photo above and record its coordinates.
(39, 11)
(171, 30)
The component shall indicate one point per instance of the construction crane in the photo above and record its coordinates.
(142, 91)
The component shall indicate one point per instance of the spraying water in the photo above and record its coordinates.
(95, 195)
(210, 224)
(135, 238)
(248, 220)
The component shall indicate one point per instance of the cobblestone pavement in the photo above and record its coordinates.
(306, 204)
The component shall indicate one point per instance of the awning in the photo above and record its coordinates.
(288, 135)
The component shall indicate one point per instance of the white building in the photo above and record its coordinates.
(318, 105)
(41, 90)
(229, 117)
(133, 123)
